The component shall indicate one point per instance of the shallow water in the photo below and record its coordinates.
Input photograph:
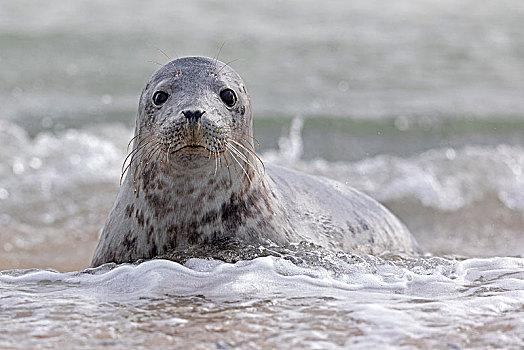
(418, 104)
(270, 303)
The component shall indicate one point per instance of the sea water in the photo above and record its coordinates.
(418, 104)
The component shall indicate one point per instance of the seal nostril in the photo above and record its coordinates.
(193, 116)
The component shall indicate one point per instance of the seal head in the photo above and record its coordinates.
(192, 105)
(193, 175)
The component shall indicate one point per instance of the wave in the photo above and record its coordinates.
(444, 179)
(466, 201)
(265, 276)
(364, 301)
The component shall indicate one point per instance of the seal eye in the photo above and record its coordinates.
(228, 97)
(159, 98)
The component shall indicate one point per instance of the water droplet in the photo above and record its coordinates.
(48, 218)
(8, 247)
(343, 86)
(451, 154)
(18, 167)
(107, 99)
(4, 194)
(19, 242)
(35, 163)
(402, 123)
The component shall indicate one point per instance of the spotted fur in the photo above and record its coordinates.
(185, 187)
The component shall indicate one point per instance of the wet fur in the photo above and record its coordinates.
(174, 196)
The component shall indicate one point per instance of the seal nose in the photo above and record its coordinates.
(193, 116)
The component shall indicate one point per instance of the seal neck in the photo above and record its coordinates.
(227, 206)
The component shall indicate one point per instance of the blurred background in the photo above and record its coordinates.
(418, 103)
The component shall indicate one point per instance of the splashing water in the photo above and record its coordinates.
(418, 104)
(412, 303)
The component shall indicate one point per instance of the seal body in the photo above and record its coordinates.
(193, 177)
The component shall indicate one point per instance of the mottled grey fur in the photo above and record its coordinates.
(187, 189)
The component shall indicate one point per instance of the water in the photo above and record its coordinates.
(269, 303)
(418, 104)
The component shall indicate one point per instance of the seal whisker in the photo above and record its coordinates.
(237, 151)
(142, 166)
(216, 162)
(141, 156)
(228, 170)
(141, 134)
(234, 150)
(241, 135)
(168, 155)
(162, 157)
(237, 129)
(159, 160)
(170, 60)
(226, 65)
(163, 66)
(165, 155)
(234, 167)
(217, 155)
(223, 154)
(216, 57)
(247, 160)
(145, 169)
(128, 167)
(243, 142)
(137, 167)
(230, 153)
(250, 150)
(146, 162)
(145, 141)
(142, 142)
(158, 151)
(133, 159)
(134, 151)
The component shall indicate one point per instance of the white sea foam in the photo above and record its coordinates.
(444, 179)
(404, 301)
(266, 275)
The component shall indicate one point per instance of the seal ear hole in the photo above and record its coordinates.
(159, 98)
(229, 97)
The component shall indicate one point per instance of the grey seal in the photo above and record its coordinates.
(193, 178)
